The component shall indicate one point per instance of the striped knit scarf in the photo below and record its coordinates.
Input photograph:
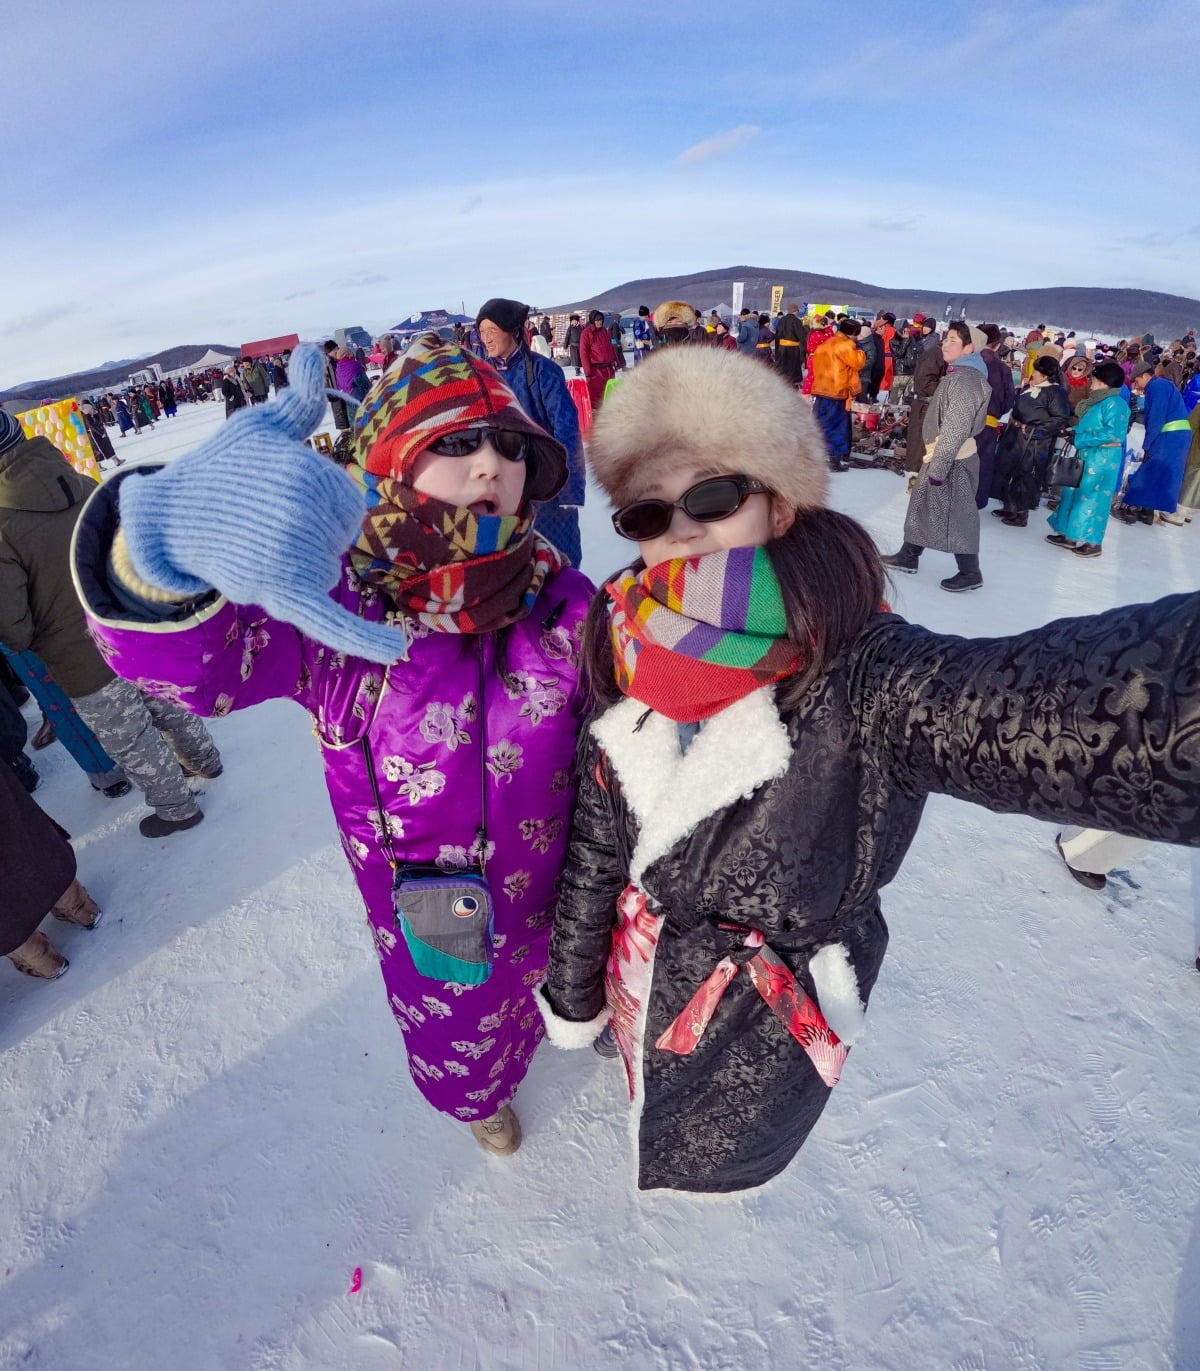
(693, 635)
(453, 570)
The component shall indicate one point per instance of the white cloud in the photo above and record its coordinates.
(719, 145)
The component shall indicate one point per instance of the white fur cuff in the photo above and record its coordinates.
(837, 992)
(568, 1033)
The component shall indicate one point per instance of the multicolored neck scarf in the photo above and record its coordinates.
(695, 634)
(455, 571)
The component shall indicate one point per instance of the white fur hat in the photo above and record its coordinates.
(710, 408)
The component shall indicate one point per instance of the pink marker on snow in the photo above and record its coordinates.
(355, 1281)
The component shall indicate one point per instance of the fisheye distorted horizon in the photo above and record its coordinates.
(204, 176)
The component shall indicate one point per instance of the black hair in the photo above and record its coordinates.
(1049, 368)
(850, 327)
(961, 329)
(1111, 373)
(832, 583)
(643, 310)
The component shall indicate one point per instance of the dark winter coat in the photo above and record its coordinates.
(1001, 382)
(793, 826)
(871, 347)
(905, 352)
(790, 338)
(36, 862)
(1038, 416)
(41, 495)
(929, 369)
(235, 397)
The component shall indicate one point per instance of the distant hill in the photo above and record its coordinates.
(1122, 313)
(106, 377)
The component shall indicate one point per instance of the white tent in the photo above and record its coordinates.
(211, 358)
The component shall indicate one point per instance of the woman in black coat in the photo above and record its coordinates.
(231, 389)
(766, 739)
(37, 877)
(1039, 415)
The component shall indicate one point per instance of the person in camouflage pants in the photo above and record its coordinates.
(155, 741)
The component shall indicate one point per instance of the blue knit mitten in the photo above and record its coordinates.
(260, 517)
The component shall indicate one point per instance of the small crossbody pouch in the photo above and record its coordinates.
(446, 919)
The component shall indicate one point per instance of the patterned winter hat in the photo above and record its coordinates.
(11, 431)
(440, 388)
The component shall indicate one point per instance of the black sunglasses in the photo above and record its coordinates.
(716, 497)
(464, 441)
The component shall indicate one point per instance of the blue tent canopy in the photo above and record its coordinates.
(426, 319)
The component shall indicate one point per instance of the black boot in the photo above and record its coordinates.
(907, 559)
(968, 577)
(155, 826)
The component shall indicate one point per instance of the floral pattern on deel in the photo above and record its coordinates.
(369, 690)
(395, 826)
(455, 857)
(443, 724)
(416, 783)
(517, 883)
(504, 758)
(539, 699)
(356, 851)
(254, 640)
(559, 646)
(540, 833)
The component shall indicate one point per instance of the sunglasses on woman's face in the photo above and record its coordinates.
(464, 441)
(716, 497)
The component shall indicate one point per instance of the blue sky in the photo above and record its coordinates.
(228, 171)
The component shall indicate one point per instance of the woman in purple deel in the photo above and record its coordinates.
(441, 670)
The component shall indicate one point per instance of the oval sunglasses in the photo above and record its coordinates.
(714, 498)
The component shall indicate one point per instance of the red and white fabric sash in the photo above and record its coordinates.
(795, 1009)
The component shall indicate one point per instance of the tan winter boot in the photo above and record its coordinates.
(501, 1134)
(36, 957)
(77, 907)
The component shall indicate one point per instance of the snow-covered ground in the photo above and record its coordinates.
(208, 1123)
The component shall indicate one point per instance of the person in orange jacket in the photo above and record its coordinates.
(834, 370)
(821, 332)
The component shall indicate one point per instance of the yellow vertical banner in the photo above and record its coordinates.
(776, 299)
(62, 422)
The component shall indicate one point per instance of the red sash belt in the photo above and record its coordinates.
(798, 1013)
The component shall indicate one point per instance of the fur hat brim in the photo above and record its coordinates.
(712, 409)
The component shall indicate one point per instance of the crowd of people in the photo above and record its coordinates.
(981, 415)
(657, 816)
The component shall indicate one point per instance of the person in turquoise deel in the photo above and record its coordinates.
(1082, 515)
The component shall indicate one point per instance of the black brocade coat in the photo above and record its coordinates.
(793, 826)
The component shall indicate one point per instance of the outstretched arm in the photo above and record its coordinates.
(1092, 721)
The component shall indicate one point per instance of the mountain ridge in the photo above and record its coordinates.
(1103, 309)
(108, 375)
